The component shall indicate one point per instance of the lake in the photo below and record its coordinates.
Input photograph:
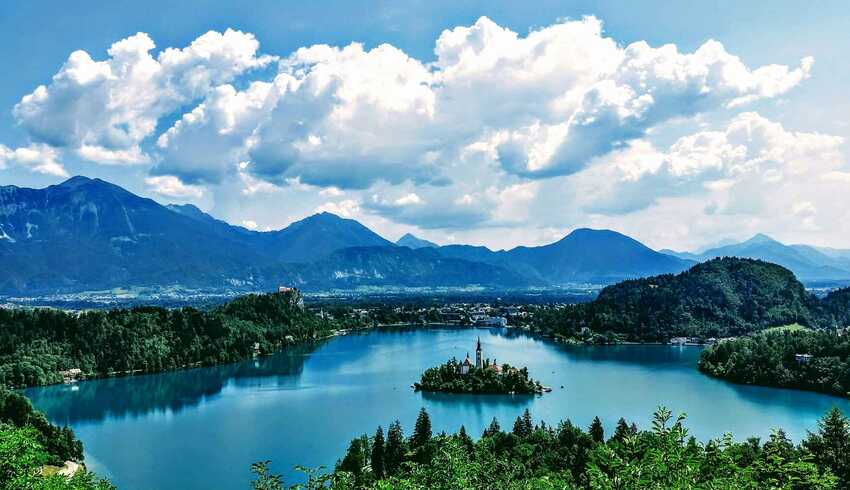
(202, 428)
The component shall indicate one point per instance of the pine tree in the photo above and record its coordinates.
(622, 431)
(528, 424)
(396, 447)
(830, 445)
(422, 431)
(465, 440)
(355, 458)
(597, 432)
(493, 429)
(378, 454)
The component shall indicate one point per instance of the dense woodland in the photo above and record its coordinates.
(540, 456)
(770, 359)
(446, 378)
(36, 344)
(718, 298)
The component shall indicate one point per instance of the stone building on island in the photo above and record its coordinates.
(465, 366)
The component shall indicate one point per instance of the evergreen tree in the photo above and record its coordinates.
(622, 431)
(422, 431)
(597, 432)
(519, 427)
(528, 424)
(493, 429)
(377, 459)
(355, 458)
(465, 440)
(396, 447)
(830, 445)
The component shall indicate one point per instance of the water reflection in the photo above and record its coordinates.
(175, 391)
(202, 428)
(489, 401)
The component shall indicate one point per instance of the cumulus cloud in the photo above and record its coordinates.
(347, 208)
(752, 151)
(500, 130)
(105, 109)
(547, 103)
(41, 159)
(170, 186)
(207, 144)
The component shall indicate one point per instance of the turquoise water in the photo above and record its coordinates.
(202, 428)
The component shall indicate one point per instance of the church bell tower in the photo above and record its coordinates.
(479, 362)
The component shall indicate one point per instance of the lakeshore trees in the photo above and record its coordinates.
(36, 344)
(564, 456)
(801, 359)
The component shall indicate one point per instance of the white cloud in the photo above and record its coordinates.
(41, 159)
(566, 94)
(170, 186)
(105, 109)
(206, 144)
(347, 208)
(408, 200)
(542, 131)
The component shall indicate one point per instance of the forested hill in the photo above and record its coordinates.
(35, 345)
(719, 298)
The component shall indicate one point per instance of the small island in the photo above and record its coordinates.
(483, 377)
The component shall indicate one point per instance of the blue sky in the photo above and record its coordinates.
(674, 173)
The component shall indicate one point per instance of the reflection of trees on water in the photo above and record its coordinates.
(96, 400)
(467, 399)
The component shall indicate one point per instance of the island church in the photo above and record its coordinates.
(480, 363)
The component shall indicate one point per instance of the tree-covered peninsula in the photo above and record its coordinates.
(483, 376)
(43, 346)
(786, 358)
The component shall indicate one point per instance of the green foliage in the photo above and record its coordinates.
(830, 445)
(59, 443)
(663, 457)
(446, 378)
(36, 344)
(265, 479)
(718, 298)
(22, 458)
(377, 457)
(422, 430)
(769, 359)
(396, 448)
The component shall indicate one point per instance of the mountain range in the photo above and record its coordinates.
(810, 264)
(88, 234)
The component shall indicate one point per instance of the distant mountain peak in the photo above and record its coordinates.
(760, 238)
(412, 241)
(75, 181)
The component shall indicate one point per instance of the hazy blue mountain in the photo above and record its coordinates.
(583, 255)
(596, 255)
(89, 234)
(403, 266)
(682, 255)
(411, 241)
(808, 263)
(317, 236)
